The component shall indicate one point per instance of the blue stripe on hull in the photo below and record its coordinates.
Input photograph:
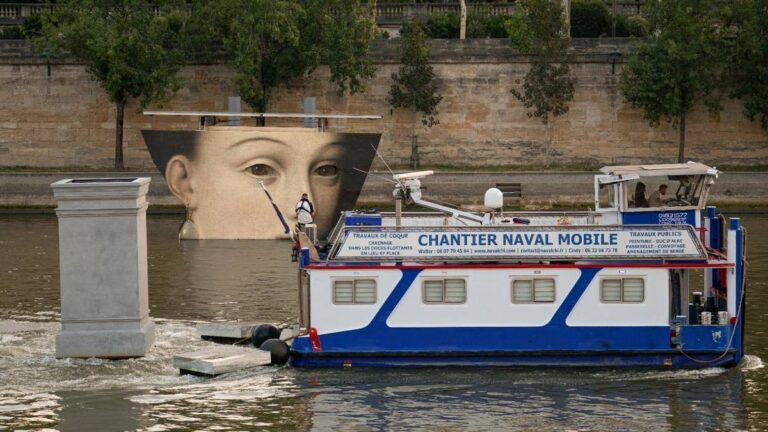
(518, 340)
(671, 360)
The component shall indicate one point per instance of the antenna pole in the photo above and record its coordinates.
(398, 211)
(382, 159)
(368, 173)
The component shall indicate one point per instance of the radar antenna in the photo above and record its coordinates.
(409, 187)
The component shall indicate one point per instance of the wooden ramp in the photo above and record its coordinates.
(220, 359)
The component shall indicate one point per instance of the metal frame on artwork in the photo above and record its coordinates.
(208, 118)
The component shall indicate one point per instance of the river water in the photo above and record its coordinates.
(206, 281)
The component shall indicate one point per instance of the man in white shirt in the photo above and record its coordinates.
(305, 212)
(658, 198)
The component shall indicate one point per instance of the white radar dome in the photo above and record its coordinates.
(494, 198)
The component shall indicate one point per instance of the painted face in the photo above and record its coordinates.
(227, 178)
(220, 182)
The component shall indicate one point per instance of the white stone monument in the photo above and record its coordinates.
(103, 261)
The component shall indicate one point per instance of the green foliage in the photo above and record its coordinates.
(547, 89)
(749, 67)
(124, 46)
(30, 27)
(441, 25)
(414, 84)
(622, 26)
(345, 31)
(633, 26)
(481, 24)
(590, 19)
(521, 35)
(681, 62)
(637, 26)
(129, 51)
(496, 26)
(271, 42)
(11, 32)
(538, 29)
(33, 26)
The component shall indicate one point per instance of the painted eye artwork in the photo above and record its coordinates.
(286, 162)
(327, 171)
(261, 170)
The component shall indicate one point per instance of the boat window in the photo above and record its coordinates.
(664, 191)
(632, 290)
(453, 291)
(357, 291)
(544, 290)
(365, 291)
(610, 292)
(522, 291)
(539, 290)
(605, 196)
(622, 290)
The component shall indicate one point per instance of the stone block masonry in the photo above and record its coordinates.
(64, 119)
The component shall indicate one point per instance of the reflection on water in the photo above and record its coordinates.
(254, 280)
(186, 280)
(220, 280)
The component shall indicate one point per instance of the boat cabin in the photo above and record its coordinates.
(653, 194)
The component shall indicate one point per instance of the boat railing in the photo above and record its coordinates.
(330, 239)
(535, 218)
(689, 248)
(335, 237)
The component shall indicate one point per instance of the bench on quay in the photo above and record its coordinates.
(510, 190)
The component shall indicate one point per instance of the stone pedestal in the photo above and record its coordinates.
(103, 261)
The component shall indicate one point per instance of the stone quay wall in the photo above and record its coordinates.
(52, 114)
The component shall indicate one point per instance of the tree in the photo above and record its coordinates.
(414, 85)
(132, 52)
(680, 63)
(749, 68)
(539, 29)
(271, 42)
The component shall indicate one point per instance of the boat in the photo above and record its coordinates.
(621, 285)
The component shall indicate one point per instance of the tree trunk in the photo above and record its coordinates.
(373, 16)
(262, 107)
(548, 146)
(119, 134)
(463, 22)
(414, 144)
(681, 148)
(414, 152)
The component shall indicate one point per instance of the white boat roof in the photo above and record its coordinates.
(676, 169)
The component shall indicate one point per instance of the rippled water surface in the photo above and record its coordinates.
(254, 281)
